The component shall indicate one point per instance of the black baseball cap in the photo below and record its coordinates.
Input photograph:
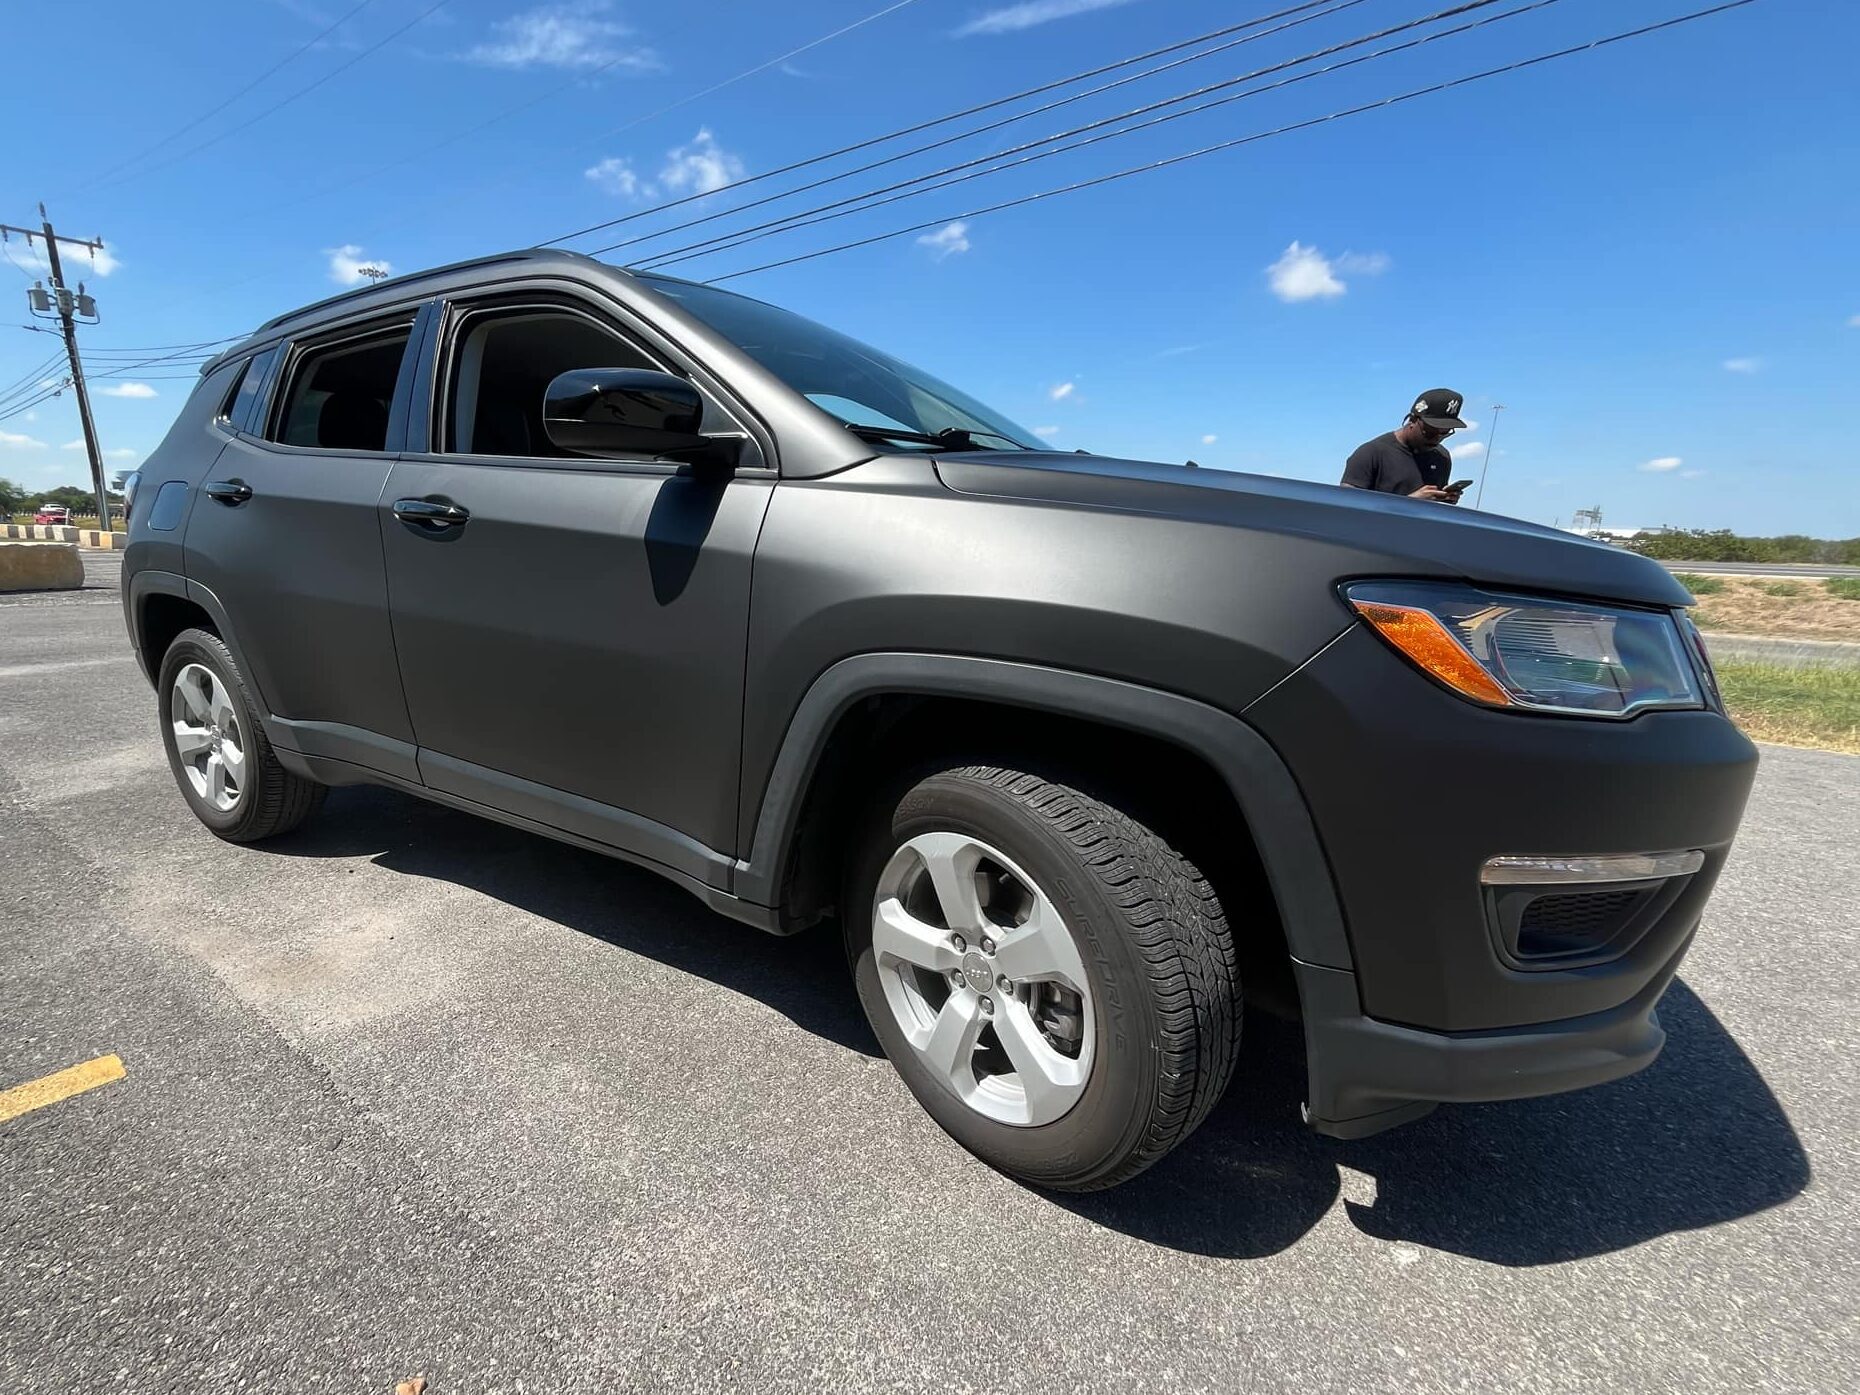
(1439, 408)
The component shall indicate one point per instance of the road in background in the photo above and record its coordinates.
(409, 1091)
(1811, 569)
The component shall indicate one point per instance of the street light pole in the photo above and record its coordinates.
(1491, 436)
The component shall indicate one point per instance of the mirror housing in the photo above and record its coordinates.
(630, 411)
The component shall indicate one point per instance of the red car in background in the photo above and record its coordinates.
(52, 513)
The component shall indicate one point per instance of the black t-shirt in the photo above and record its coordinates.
(1387, 465)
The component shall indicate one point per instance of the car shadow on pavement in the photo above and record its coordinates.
(804, 977)
(1694, 1140)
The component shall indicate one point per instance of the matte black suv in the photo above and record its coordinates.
(1073, 747)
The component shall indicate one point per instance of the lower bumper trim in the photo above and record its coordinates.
(1365, 1075)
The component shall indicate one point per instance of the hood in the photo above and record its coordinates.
(1397, 536)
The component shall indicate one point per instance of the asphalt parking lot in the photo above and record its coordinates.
(408, 1091)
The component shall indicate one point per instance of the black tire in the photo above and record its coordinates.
(273, 800)
(1142, 917)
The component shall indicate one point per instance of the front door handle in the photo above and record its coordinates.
(431, 516)
(231, 493)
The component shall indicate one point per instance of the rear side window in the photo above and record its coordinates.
(340, 391)
(236, 410)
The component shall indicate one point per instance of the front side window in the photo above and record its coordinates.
(503, 361)
(855, 382)
(340, 393)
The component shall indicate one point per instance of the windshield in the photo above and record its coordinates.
(856, 383)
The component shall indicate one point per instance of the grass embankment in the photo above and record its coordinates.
(1799, 608)
(1817, 705)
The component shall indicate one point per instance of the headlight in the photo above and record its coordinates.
(1531, 652)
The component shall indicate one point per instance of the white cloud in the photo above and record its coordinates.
(137, 390)
(32, 416)
(1690, 474)
(16, 441)
(1742, 365)
(1209, 440)
(1466, 450)
(346, 263)
(1063, 391)
(702, 167)
(1046, 433)
(1029, 13)
(121, 453)
(1304, 273)
(1362, 263)
(615, 175)
(1853, 322)
(946, 241)
(1663, 464)
(572, 37)
(72, 445)
(79, 263)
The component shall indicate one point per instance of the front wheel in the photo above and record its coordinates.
(1053, 981)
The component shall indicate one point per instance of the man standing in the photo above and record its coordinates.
(1410, 460)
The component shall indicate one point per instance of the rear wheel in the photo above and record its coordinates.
(1053, 981)
(221, 759)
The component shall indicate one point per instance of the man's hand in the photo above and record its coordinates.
(1436, 493)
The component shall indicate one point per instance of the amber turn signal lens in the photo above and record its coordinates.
(1419, 635)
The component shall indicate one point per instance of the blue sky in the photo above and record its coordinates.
(1647, 253)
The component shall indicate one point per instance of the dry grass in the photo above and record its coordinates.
(1755, 605)
(1818, 705)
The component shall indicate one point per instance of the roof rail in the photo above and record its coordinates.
(415, 277)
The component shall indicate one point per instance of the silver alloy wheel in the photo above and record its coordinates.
(983, 978)
(207, 737)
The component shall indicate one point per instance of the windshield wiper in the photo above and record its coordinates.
(949, 438)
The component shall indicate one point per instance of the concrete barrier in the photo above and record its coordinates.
(39, 532)
(97, 538)
(40, 566)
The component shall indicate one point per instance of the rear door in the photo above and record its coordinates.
(572, 643)
(283, 532)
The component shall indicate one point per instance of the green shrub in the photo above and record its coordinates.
(1846, 587)
(1782, 588)
(1699, 585)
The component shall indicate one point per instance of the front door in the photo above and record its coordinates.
(571, 631)
(284, 533)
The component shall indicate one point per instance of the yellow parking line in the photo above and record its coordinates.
(49, 1089)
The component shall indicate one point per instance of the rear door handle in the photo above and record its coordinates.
(431, 516)
(231, 493)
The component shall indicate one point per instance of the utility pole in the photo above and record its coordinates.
(1491, 436)
(63, 302)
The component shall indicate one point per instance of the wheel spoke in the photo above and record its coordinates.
(898, 935)
(951, 860)
(190, 740)
(218, 704)
(1049, 1080)
(234, 760)
(188, 690)
(950, 1047)
(216, 779)
(1041, 950)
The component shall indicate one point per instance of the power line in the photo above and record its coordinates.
(27, 406)
(39, 372)
(803, 218)
(1248, 140)
(304, 91)
(1336, 7)
(976, 110)
(179, 131)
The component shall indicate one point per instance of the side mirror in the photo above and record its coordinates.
(629, 411)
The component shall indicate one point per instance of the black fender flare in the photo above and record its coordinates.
(1261, 784)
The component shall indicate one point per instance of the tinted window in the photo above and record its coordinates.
(856, 383)
(340, 393)
(248, 383)
(503, 362)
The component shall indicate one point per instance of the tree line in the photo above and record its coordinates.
(1722, 545)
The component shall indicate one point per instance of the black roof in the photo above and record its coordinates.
(389, 288)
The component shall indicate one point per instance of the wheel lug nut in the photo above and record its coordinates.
(988, 1004)
(988, 946)
(1005, 985)
(960, 943)
(955, 977)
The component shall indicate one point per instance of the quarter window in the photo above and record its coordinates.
(340, 393)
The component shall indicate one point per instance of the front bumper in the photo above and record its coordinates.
(1412, 792)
